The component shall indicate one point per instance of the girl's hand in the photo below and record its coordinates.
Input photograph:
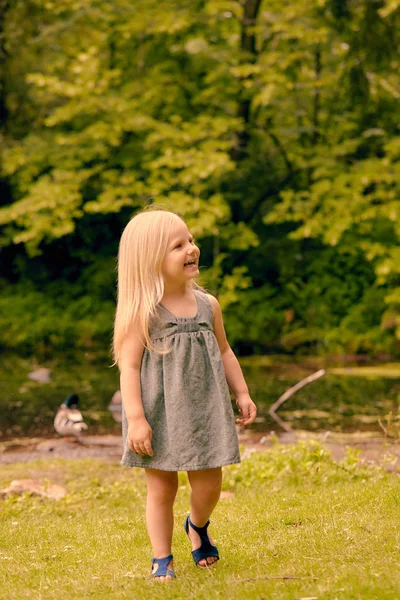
(139, 437)
(247, 409)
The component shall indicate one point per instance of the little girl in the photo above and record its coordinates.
(175, 365)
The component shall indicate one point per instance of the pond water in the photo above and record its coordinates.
(347, 398)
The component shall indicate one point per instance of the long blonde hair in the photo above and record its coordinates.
(142, 249)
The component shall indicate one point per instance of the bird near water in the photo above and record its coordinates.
(69, 420)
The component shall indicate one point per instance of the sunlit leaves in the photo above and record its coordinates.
(361, 201)
(115, 105)
(115, 100)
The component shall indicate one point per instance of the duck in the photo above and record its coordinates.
(115, 406)
(69, 420)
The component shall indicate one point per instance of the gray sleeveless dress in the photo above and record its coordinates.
(185, 396)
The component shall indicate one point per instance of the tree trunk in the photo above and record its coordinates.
(4, 7)
(5, 191)
(249, 49)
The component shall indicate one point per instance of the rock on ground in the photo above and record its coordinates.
(34, 487)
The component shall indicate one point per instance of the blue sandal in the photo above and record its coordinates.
(206, 549)
(161, 569)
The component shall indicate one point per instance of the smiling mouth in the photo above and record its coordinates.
(190, 263)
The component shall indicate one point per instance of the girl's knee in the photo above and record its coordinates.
(162, 485)
(213, 486)
(209, 480)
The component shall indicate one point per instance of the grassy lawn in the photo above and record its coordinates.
(296, 525)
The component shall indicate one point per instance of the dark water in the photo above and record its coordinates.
(336, 402)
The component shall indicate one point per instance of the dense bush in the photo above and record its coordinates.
(272, 128)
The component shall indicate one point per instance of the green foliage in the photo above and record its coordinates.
(277, 141)
(292, 464)
(356, 206)
(32, 322)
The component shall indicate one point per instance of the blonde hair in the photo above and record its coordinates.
(142, 249)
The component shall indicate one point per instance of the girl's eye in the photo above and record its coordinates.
(178, 246)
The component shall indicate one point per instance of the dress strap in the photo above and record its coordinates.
(205, 313)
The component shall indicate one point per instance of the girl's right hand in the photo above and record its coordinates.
(139, 437)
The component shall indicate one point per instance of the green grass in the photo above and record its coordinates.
(295, 513)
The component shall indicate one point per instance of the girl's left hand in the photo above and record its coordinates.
(247, 409)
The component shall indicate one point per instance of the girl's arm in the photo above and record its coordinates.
(139, 430)
(233, 372)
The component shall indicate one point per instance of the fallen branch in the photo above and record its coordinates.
(285, 577)
(288, 394)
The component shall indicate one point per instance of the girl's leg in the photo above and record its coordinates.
(206, 490)
(161, 491)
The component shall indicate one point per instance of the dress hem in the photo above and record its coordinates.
(189, 468)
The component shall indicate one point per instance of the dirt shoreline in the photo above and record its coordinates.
(372, 447)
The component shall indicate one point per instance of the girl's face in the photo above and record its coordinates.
(181, 260)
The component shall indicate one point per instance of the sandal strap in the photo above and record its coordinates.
(162, 569)
(202, 531)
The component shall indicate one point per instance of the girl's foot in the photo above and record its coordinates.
(196, 543)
